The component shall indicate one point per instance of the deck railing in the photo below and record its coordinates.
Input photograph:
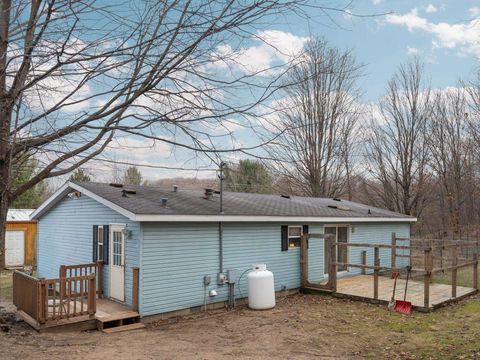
(54, 299)
(25, 293)
(71, 271)
(64, 298)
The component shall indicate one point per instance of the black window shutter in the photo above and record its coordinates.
(305, 231)
(95, 243)
(284, 237)
(106, 240)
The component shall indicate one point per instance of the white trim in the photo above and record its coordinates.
(249, 218)
(113, 227)
(49, 202)
(65, 189)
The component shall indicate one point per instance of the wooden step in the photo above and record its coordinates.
(117, 316)
(116, 329)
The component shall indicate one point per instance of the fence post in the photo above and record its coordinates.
(100, 279)
(62, 273)
(42, 301)
(426, 283)
(454, 271)
(135, 286)
(304, 260)
(394, 252)
(92, 295)
(364, 262)
(475, 270)
(332, 270)
(375, 273)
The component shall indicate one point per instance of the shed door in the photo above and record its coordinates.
(14, 248)
(117, 262)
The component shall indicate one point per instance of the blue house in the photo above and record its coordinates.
(184, 246)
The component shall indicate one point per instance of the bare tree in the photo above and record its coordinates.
(318, 121)
(74, 74)
(396, 149)
(448, 140)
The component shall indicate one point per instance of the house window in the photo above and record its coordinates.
(100, 243)
(294, 236)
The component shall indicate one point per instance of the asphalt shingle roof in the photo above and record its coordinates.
(148, 201)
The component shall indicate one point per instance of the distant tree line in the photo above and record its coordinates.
(416, 151)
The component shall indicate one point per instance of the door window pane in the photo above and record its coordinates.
(117, 248)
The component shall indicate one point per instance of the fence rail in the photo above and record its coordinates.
(426, 257)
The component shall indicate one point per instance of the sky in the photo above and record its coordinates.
(382, 34)
(444, 34)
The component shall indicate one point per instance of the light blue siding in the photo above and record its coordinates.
(376, 234)
(175, 258)
(65, 237)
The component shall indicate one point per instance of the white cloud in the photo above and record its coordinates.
(376, 2)
(274, 47)
(430, 8)
(474, 11)
(412, 50)
(465, 37)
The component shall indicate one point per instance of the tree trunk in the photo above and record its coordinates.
(4, 203)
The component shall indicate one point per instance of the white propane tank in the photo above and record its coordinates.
(261, 289)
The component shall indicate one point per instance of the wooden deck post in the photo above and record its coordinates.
(364, 261)
(42, 301)
(62, 273)
(135, 287)
(394, 252)
(100, 279)
(304, 260)
(454, 271)
(332, 269)
(475, 270)
(376, 272)
(92, 295)
(426, 282)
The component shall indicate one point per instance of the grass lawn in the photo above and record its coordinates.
(464, 277)
(6, 285)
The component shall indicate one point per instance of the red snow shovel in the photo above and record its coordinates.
(403, 306)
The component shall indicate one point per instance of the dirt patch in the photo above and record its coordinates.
(300, 327)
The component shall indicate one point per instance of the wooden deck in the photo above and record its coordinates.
(109, 314)
(361, 287)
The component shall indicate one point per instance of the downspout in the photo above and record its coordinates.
(220, 224)
(220, 247)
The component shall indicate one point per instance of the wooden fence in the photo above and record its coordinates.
(426, 256)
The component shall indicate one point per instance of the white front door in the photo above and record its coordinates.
(14, 247)
(117, 262)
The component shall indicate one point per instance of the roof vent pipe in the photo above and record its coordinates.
(164, 202)
(175, 188)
